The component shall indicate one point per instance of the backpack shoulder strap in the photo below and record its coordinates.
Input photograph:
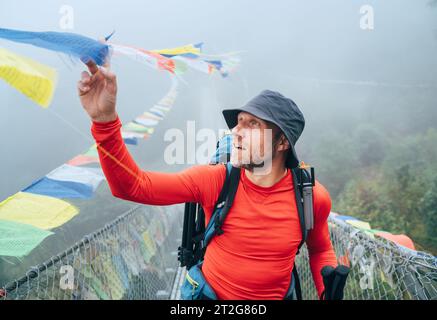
(221, 198)
(298, 181)
(224, 203)
(226, 185)
(300, 177)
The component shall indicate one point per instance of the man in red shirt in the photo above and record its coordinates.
(254, 257)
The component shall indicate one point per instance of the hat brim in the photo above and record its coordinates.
(231, 118)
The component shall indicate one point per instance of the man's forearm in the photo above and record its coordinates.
(120, 169)
(127, 181)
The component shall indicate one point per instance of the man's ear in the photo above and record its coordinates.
(283, 144)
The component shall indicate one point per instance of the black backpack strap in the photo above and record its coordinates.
(226, 199)
(234, 180)
(294, 280)
(297, 286)
(300, 176)
(193, 245)
(226, 187)
(299, 203)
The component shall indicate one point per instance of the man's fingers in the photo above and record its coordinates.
(82, 88)
(92, 67)
(109, 76)
(85, 77)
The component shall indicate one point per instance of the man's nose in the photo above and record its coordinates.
(236, 131)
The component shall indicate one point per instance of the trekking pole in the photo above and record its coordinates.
(334, 281)
(341, 274)
(328, 274)
(185, 251)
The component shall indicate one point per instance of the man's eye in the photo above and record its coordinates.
(254, 123)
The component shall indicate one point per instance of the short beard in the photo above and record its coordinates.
(251, 166)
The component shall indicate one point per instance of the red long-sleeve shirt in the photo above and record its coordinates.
(254, 257)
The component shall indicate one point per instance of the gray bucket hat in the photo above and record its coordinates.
(274, 107)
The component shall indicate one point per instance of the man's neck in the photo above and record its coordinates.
(267, 180)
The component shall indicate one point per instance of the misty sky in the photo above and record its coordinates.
(311, 51)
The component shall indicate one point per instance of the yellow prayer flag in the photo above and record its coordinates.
(179, 50)
(37, 210)
(31, 78)
(362, 225)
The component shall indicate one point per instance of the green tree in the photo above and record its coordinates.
(428, 205)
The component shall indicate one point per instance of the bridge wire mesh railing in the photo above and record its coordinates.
(380, 269)
(133, 257)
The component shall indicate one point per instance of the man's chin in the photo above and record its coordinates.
(247, 166)
(235, 163)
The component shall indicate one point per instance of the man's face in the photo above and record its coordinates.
(252, 142)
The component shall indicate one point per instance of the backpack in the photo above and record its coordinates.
(196, 236)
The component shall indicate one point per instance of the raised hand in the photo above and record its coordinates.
(98, 92)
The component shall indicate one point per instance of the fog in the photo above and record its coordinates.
(311, 51)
